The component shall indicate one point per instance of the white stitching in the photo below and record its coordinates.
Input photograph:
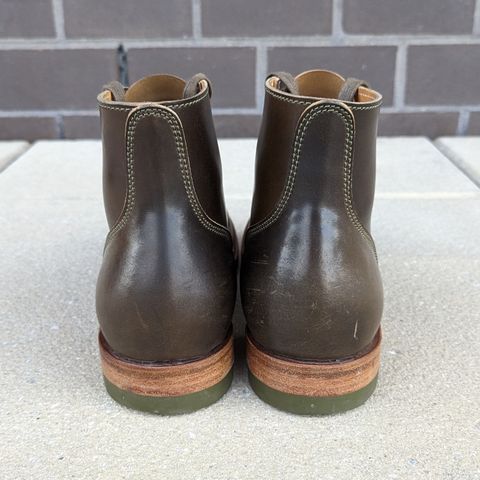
(172, 106)
(184, 169)
(309, 102)
(347, 172)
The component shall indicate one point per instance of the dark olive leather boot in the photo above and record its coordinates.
(166, 288)
(311, 288)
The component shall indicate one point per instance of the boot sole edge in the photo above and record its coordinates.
(174, 405)
(309, 388)
(308, 405)
(167, 389)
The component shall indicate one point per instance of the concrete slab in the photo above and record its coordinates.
(57, 170)
(411, 165)
(414, 165)
(404, 226)
(56, 420)
(238, 159)
(463, 152)
(10, 150)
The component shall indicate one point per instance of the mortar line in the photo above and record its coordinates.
(337, 21)
(197, 19)
(59, 19)
(47, 113)
(463, 121)
(400, 80)
(60, 127)
(430, 109)
(235, 111)
(122, 65)
(229, 111)
(251, 42)
(261, 69)
(476, 19)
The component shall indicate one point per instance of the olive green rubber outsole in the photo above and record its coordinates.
(170, 405)
(305, 405)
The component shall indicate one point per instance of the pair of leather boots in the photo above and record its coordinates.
(310, 285)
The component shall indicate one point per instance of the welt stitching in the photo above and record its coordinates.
(347, 172)
(309, 102)
(172, 106)
(184, 170)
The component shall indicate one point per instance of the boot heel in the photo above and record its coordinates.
(313, 388)
(167, 388)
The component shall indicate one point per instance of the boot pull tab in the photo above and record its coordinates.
(348, 92)
(286, 82)
(116, 89)
(192, 85)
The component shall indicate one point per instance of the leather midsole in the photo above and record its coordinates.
(166, 380)
(314, 379)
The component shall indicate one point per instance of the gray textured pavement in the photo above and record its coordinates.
(464, 152)
(10, 150)
(57, 422)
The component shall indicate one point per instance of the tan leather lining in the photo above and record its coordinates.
(156, 88)
(146, 94)
(203, 85)
(105, 96)
(319, 83)
(324, 84)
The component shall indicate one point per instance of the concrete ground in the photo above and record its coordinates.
(423, 422)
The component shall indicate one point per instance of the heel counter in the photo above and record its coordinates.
(167, 283)
(311, 287)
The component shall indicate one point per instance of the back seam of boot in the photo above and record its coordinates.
(182, 155)
(324, 107)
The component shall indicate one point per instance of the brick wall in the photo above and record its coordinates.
(423, 55)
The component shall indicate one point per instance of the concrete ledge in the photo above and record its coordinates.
(464, 152)
(10, 151)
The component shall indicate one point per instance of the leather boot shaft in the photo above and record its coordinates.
(166, 288)
(311, 287)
